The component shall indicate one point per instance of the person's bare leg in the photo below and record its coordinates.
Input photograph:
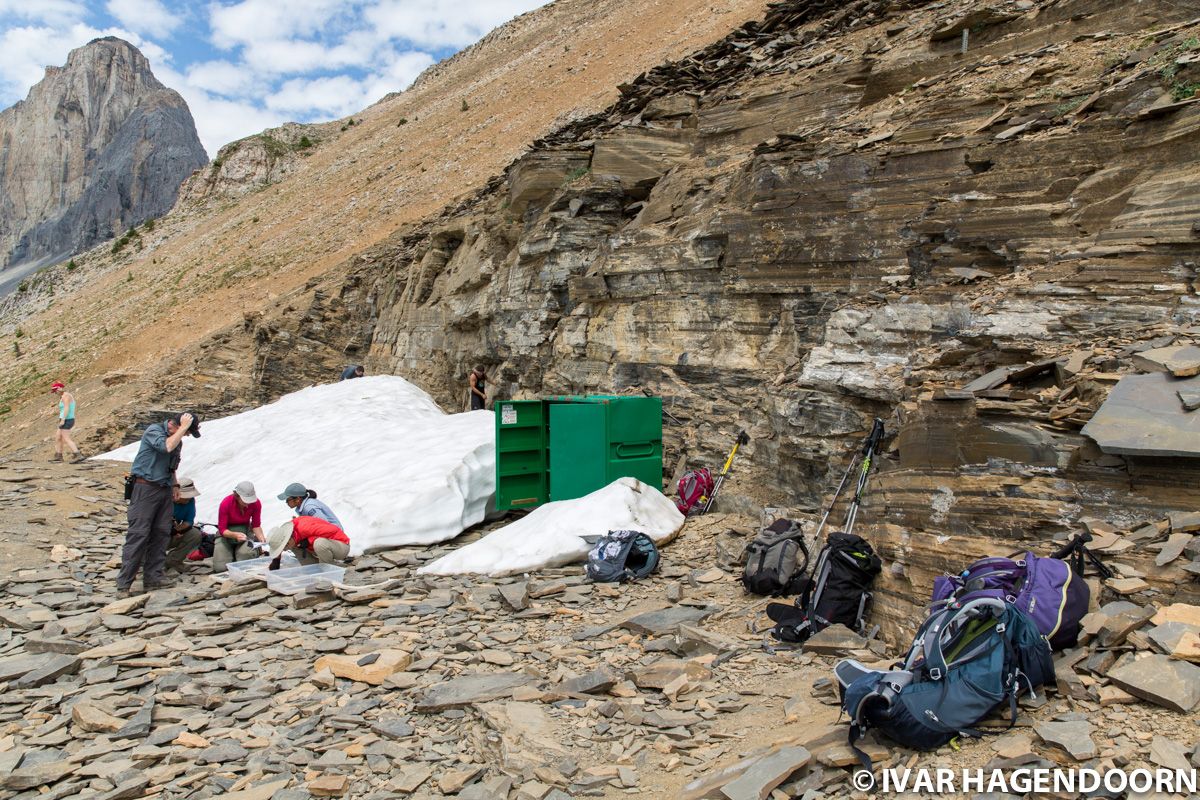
(58, 445)
(69, 442)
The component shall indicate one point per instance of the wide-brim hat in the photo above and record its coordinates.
(187, 489)
(278, 538)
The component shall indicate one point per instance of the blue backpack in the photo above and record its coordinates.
(967, 659)
(621, 556)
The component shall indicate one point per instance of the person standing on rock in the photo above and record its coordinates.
(312, 539)
(353, 371)
(305, 503)
(239, 521)
(150, 505)
(66, 421)
(185, 537)
(478, 384)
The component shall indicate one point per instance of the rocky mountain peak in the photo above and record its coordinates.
(97, 146)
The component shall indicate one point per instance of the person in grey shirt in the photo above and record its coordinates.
(305, 503)
(152, 502)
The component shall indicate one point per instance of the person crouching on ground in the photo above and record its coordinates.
(66, 421)
(149, 514)
(239, 521)
(185, 537)
(305, 503)
(312, 539)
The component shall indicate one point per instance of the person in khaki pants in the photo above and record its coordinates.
(312, 539)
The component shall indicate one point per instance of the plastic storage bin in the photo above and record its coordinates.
(256, 568)
(299, 579)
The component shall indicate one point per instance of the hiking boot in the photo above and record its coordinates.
(57, 458)
(163, 583)
(78, 458)
(124, 593)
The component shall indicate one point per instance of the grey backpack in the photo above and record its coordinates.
(773, 560)
(621, 556)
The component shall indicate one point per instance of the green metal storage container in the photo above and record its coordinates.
(561, 448)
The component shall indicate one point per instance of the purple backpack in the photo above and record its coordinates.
(1046, 589)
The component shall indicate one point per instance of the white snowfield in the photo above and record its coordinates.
(551, 535)
(393, 466)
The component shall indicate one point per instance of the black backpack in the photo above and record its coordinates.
(621, 556)
(837, 592)
(773, 565)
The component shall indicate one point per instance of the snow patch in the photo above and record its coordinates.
(552, 535)
(394, 467)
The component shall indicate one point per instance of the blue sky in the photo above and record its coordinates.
(245, 65)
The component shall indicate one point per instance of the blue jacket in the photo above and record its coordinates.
(311, 507)
(153, 462)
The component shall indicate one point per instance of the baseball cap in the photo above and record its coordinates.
(245, 490)
(187, 489)
(194, 430)
(278, 538)
(54, 387)
(294, 490)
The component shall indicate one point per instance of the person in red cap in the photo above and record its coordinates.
(66, 421)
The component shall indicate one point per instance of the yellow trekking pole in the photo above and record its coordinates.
(742, 438)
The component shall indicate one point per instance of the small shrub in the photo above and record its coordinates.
(71, 265)
(18, 333)
(1184, 91)
(403, 121)
(465, 107)
(129, 278)
(149, 224)
(304, 143)
(22, 287)
(576, 174)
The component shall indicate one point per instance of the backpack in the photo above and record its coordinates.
(966, 660)
(772, 566)
(694, 487)
(622, 556)
(1046, 589)
(837, 592)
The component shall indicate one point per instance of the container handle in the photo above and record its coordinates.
(640, 450)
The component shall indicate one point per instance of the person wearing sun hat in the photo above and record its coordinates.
(185, 537)
(312, 539)
(239, 525)
(66, 421)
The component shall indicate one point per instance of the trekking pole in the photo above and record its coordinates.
(833, 501)
(742, 438)
(868, 452)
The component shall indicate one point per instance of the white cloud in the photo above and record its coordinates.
(148, 17)
(222, 77)
(46, 12)
(439, 23)
(256, 20)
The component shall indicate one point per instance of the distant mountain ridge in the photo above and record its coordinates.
(99, 145)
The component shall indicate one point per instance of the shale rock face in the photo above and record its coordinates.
(98, 146)
(837, 213)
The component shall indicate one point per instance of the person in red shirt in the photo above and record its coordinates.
(312, 539)
(239, 525)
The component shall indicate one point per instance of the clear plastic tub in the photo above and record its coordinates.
(253, 568)
(299, 579)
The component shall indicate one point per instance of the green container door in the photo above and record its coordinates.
(577, 464)
(521, 454)
(634, 446)
(566, 447)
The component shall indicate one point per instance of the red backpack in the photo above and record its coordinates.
(694, 487)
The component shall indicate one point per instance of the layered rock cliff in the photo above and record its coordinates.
(98, 146)
(844, 212)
